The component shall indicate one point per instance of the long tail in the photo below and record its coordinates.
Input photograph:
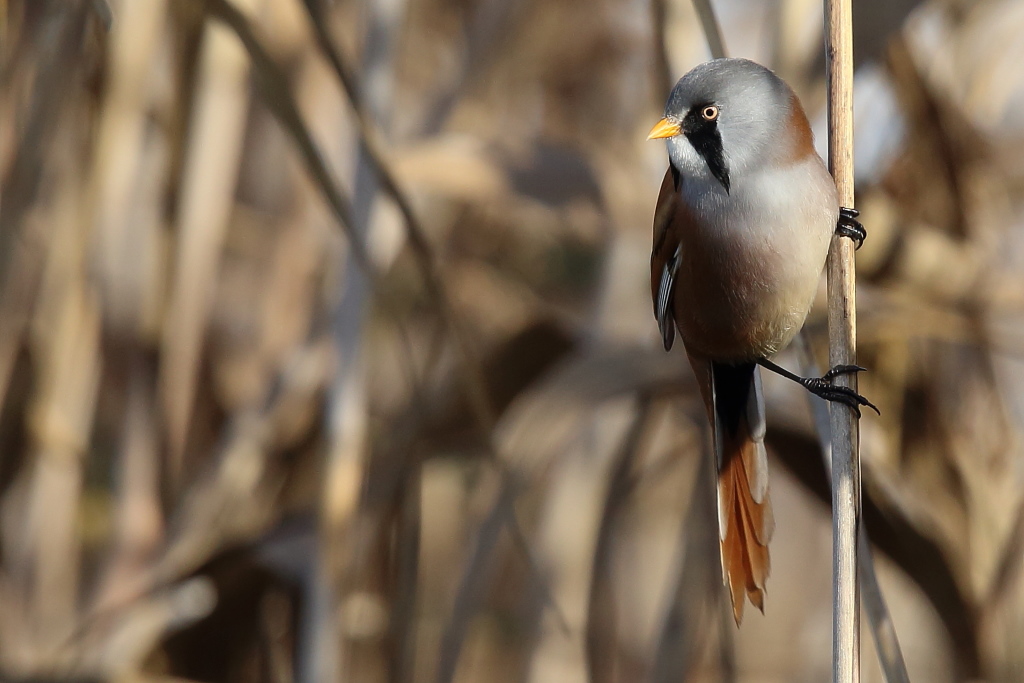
(745, 520)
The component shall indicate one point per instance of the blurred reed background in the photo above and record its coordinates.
(327, 352)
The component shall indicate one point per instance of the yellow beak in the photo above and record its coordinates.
(664, 129)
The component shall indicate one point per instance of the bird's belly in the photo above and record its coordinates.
(747, 293)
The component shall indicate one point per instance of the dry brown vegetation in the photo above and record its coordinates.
(326, 350)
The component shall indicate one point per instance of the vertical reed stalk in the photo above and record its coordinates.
(712, 29)
(887, 644)
(842, 323)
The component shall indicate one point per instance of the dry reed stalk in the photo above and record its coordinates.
(347, 457)
(102, 11)
(372, 149)
(61, 422)
(697, 602)
(578, 482)
(276, 93)
(794, 47)
(712, 29)
(210, 174)
(23, 242)
(887, 644)
(139, 520)
(127, 175)
(41, 525)
(478, 570)
(842, 323)
(602, 617)
(126, 181)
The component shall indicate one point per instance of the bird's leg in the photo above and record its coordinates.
(823, 386)
(849, 226)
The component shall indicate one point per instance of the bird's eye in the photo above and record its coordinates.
(710, 112)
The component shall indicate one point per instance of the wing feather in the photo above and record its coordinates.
(665, 256)
(663, 304)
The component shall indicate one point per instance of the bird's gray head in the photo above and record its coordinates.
(727, 117)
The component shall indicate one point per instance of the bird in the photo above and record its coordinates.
(742, 228)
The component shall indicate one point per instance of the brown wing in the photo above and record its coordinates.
(665, 255)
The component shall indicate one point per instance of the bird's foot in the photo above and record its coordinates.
(849, 226)
(824, 388)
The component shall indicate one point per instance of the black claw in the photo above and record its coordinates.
(823, 388)
(842, 370)
(849, 226)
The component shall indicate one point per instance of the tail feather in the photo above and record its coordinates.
(755, 460)
(746, 521)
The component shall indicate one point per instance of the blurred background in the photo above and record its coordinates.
(327, 350)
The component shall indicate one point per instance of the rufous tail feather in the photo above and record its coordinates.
(745, 515)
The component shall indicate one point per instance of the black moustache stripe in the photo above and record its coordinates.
(706, 139)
